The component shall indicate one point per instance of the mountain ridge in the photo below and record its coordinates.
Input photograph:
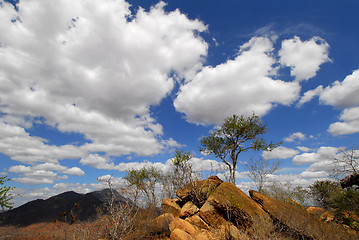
(68, 206)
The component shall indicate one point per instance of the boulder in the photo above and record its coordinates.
(203, 235)
(188, 209)
(234, 206)
(315, 211)
(171, 206)
(295, 223)
(198, 191)
(211, 217)
(197, 221)
(178, 234)
(178, 223)
(327, 217)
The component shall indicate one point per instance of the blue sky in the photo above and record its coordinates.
(89, 89)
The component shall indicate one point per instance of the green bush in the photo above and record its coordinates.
(5, 195)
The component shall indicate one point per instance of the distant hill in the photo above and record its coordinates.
(66, 206)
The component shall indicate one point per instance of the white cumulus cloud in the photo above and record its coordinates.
(93, 69)
(304, 58)
(322, 154)
(342, 94)
(309, 95)
(280, 153)
(295, 136)
(349, 123)
(239, 86)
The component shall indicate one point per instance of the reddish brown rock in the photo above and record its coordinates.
(203, 235)
(327, 217)
(171, 206)
(197, 221)
(315, 211)
(235, 206)
(209, 214)
(198, 191)
(188, 209)
(183, 225)
(294, 222)
(178, 234)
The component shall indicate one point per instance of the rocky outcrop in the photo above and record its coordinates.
(212, 209)
(315, 211)
(199, 191)
(291, 220)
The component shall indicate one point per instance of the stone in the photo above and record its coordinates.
(198, 222)
(161, 224)
(327, 217)
(198, 191)
(235, 206)
(188, 209)
(203, 235)
(209, 214)
(292, 221)
(171, 206)
(183, 225)
(178, 234)
(315, 211)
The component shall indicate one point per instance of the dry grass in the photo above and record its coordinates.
(78, 231)
(54, 230)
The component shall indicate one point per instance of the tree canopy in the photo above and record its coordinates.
(236, 135)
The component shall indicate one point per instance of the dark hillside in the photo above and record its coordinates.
(67, 206)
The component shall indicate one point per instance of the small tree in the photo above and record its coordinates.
(236, 135)
(259, 169)
(5, 195)
(181, 172)
(145, 180)
(323, 193)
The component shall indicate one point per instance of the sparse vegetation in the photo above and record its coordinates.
(180, 174)
(259, 169)
(287, 193)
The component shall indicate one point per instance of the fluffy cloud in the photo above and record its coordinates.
(309, 95)
(43, 173)
(316, 174)
(280, 153)
(342, 94)
(322, 154)
(103, 162)
(16, 143)
(295, 136)
(349, 122)
(74, 171)
(90, 69)
(240, 86)
(304, 58)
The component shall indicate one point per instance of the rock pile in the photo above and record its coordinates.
(212, 209)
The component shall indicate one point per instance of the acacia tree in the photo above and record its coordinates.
(259, 169)
(236, 135)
